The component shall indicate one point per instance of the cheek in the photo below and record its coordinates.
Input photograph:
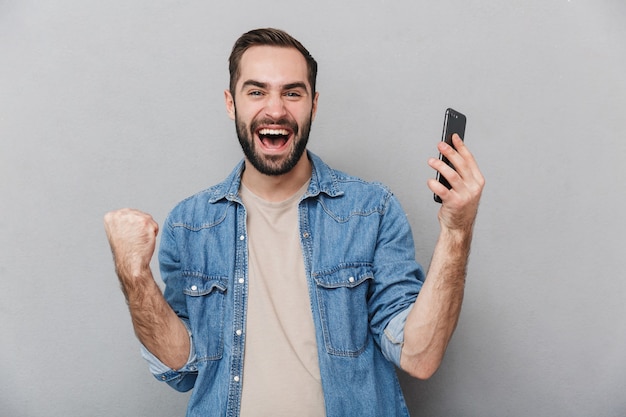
(301, 114)
(249, 113)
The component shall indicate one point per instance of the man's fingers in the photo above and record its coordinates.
(132, 236)
(465, 178)
(130, 221)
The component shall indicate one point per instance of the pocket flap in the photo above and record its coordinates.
(197, 285)
(344, 276)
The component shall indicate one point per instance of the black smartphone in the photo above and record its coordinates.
(453, 122)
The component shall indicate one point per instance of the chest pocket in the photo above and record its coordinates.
(205, 306)
(342, 297)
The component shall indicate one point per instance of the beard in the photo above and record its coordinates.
(273, 165)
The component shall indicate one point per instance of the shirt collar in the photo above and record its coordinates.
(323, 180)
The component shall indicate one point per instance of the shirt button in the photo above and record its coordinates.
(239, 332)
(351, 279)
(241, 280)
(242, 237)
(194, 288)
(306, 235)
(236, 379)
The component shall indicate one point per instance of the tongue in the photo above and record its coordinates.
(273, 142)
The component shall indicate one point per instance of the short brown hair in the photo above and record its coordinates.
(267, 37)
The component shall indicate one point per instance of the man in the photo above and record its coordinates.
(292, 288)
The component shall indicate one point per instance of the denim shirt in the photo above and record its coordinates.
(362, 278)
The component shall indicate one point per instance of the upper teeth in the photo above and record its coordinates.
(273, 132)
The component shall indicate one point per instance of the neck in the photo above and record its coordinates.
(276, 188)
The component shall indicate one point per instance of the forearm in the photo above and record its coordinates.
(434, 316)
(132, 236)
(156, 325)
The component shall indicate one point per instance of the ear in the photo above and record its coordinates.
(314, 109)
(230, 104)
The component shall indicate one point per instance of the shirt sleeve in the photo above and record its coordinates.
(175, 378)
(157, 367)
(393, 339)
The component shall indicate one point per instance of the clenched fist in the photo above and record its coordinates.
(132, 236)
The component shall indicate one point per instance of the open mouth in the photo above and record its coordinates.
(273, 138)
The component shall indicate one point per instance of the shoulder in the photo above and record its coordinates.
(334, 182)
(339, 190)
(208, 205)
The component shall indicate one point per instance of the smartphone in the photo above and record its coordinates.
(453, 122)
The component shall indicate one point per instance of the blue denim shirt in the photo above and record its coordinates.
(362, 277)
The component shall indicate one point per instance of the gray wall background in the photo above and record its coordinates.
(118, 103)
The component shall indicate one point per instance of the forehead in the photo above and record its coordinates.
(273, 65)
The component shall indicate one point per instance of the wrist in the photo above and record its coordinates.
(456, 236)
(136, 283)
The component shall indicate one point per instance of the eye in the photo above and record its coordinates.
(255, 93)
(293, 94)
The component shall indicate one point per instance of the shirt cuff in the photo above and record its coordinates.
(159, 368)
(393, 338)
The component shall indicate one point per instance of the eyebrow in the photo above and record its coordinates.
(253, 83)
(290, 86)
(296, 85)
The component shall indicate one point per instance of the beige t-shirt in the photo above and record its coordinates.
(281, 374)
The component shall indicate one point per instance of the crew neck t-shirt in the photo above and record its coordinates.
(281, 370)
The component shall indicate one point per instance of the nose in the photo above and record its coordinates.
(275, 107)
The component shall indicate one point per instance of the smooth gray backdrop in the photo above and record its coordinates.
(106, 104)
